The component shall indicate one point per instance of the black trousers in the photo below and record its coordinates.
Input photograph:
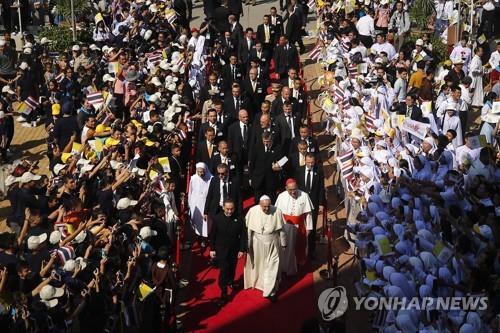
(227, 270)
(311, 239)
(463, 121)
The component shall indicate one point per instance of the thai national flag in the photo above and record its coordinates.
(338, 92)
(346, 164)
(311, 4)
(65, 253)
(353, 71)
(316, 52)
(154, 57)
(369, 122)
(95, 99)
(32, 103)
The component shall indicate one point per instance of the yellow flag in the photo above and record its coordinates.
(98, 18)
(144, 291)
(98, 146)
(153, 174)
(76, 147)
(165, 163)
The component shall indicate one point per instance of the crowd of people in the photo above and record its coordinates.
(138, 120)
(416, 144)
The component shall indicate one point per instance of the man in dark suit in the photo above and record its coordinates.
(293, 28)
(296, 159)
(239, 137)
(410, 109)
(310, 179)
(235, 102)
(212, 85)
(228, 242)
(235, 28)
(262, 58)
(232, 72)
(262, 125)
(245, 47)
(312, 143)
(229, 45)
(285, 56)
(220, 17)
(184, 10)
(177, 172)
(212, 123)
(206, 147)
(289, 79)
(221, 187)
(277, 104)
(222, 156)
(263, 167)
(254, 91)
(277, 21)
(300, 97)
(266, 34)
(288, 124)
(224, 119)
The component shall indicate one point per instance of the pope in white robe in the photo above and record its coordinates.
(265, 241)
(296, 207)
(197, 195)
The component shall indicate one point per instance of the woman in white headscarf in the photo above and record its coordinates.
(198, 190)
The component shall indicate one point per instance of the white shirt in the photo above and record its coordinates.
(494, 59)
(365, 26)
(385, 47)
(241, 129)
(221, 201)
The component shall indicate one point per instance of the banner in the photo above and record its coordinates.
(415, 128)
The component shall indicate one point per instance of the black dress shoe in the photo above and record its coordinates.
(273, 298)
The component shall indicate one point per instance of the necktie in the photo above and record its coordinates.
(302, 161)
(266, 149)
(245, 135)
(253, 86)
(237, 105)
(220, 118)
(224, 191)
(234, 72)
(308, 181)
(266, 30)
(249, 42)
(210, 150)
(408, 111)
(259, 54)
(290, 124)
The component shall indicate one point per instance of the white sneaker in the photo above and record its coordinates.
(21, 119)
(26, 125)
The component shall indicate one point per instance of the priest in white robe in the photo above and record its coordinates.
(476, 73)
(265, 241)
(452, 121)
(296, 207)
(198, 189)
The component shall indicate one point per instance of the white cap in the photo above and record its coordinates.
(69, 265)
(264, 197)
(147, 34)
(81, 262)
(125, 203)
(45, 40)
(108, 78)
(156, 81)
(94, 47)
(27, 50)
(55, 237)
(27, 46)
(451, 106)
(419, 42)
(35, 241)
(6, 89)
(23, 65)
(147, 232)
(75, 47)
(49, 295)
(80, 237)
(28, 177)
(58, 167)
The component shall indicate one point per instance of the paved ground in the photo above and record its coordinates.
(30, 143)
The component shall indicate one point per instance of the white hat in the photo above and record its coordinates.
(171, 87)
(94, 47)
(164, 64)
(419, 42)
(147, 34)
(108, 78)
(27, 50)
(70, 265)
(28, 46)
(35, 241)
(124, 203)
(156, 81)
(81, 262)
(45, 40)
(451, 106)
(106, 49)
(80, 237)
(55, 237)
(170, 126)
(49, 295)
(75, 47)
(6, 89)
(23, 65)
(153, 8)
(457, 61)
(58, 167)
(28, 177)
(264, 197)
(86, 168)
(147, 232)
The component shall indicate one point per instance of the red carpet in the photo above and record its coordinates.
(247, 310)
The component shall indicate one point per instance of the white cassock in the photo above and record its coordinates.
(476, 72)
(453, 123)
(265, 240)
(198, 190)
(298, 218)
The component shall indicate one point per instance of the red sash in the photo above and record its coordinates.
(301, 245)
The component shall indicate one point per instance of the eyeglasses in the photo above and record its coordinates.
(221, 173)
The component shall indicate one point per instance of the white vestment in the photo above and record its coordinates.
(294, 207)
(198, 190)
(454, 124)
(265, 239)
(476, 72)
